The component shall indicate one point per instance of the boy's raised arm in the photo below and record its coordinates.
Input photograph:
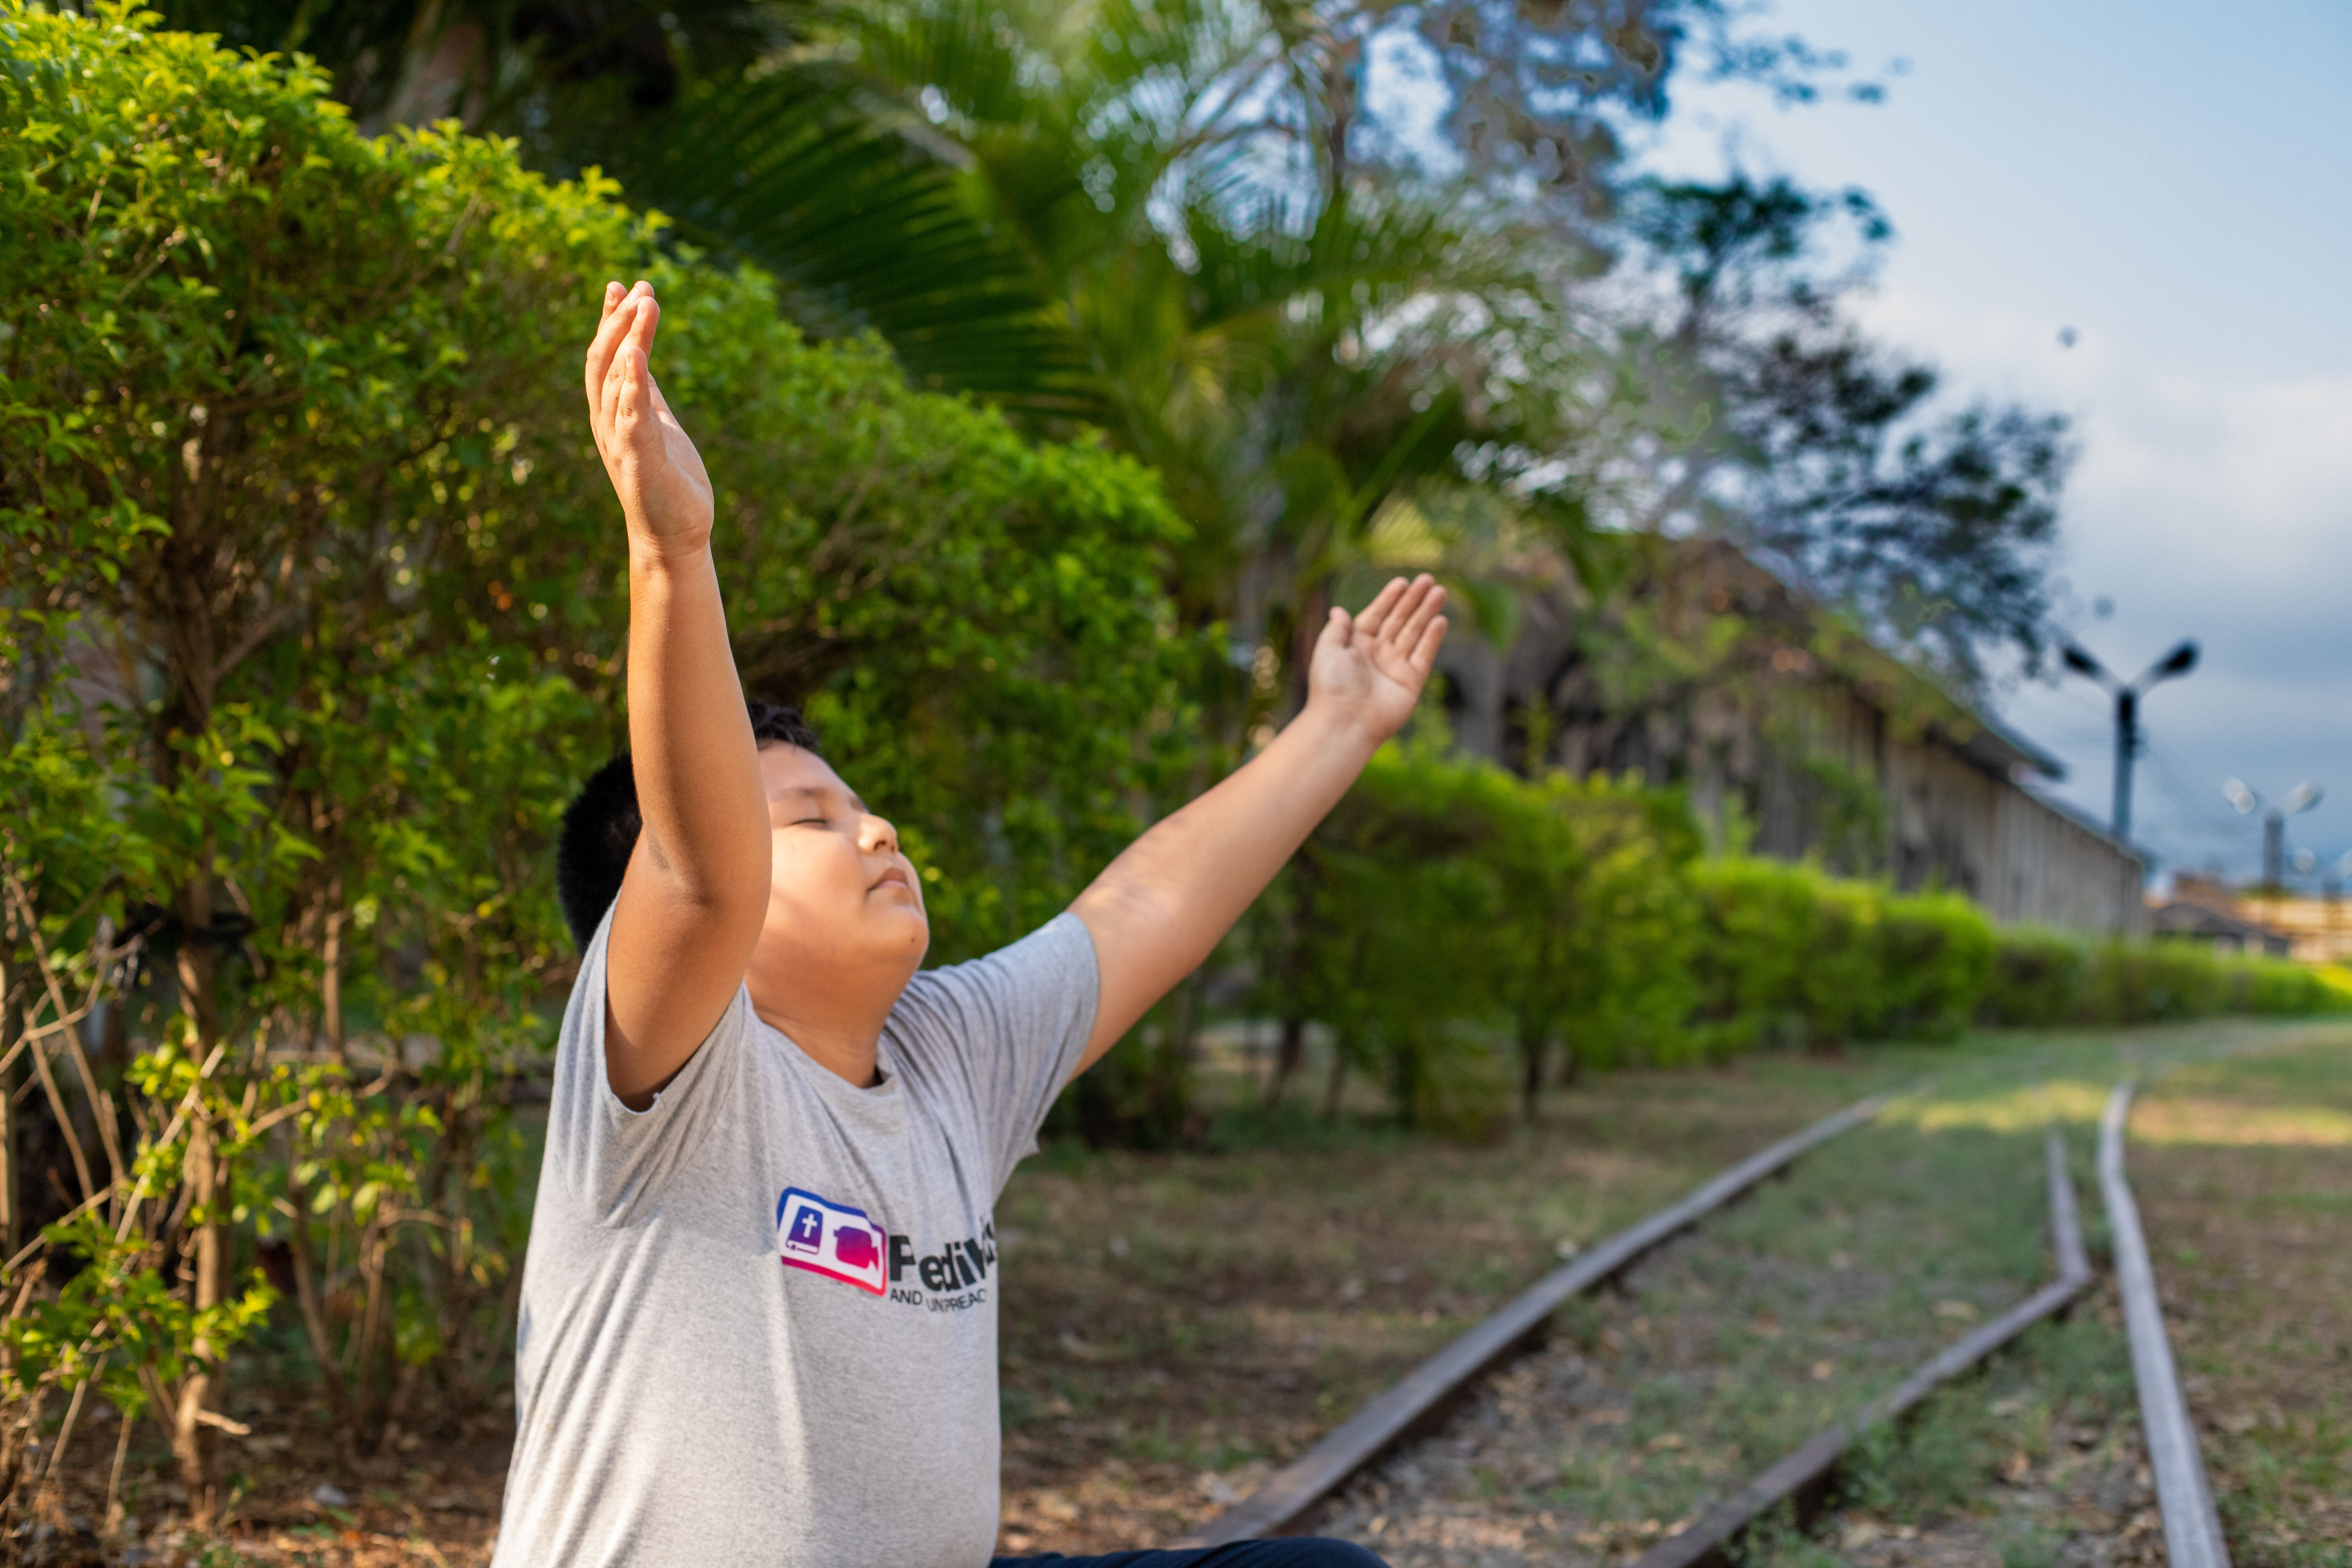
(1160, 908)
(692, 904)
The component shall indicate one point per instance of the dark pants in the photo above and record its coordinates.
(1284, 1551)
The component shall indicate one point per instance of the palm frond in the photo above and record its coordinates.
(864, 230)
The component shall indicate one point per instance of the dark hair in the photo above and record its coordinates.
(601, 825)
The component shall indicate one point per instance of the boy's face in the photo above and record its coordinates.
(845, 906)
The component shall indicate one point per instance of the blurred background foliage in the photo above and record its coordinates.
(1056, 367)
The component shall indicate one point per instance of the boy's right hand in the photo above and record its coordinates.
(654, 469)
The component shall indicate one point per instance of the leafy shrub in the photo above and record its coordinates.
(2274, 987)
(2047, 978)
(1399, 889)
(2037, 978)
(1447, 905)
(1793, 956)
(2152, 982)
(1935, 960)
(1758, 931)
(314, 594)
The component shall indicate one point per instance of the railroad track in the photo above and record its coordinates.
(1290, 1501)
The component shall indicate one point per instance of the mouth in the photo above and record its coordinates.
(893, 878)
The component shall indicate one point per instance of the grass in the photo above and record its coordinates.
(1176, 1326)
(2252, 1241)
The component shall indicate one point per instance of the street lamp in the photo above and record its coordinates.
(2180, 661)
(2299, 799)
(2331, 894)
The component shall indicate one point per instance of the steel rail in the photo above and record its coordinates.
(1704, 1543)
(2192, 1530)
(1283, 1504)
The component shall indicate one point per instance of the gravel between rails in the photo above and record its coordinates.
(1571, 1455)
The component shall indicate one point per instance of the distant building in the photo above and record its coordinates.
(1792, 737)
(2315, 930)
(2195, 923)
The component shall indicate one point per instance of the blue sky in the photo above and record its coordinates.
(2169, 180)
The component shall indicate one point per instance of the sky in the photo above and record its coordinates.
(2137, 215)
(2168, 179)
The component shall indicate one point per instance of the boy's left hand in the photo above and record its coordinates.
(1369, 668)
(654, 469)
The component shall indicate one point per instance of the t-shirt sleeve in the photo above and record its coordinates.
(608, 1159)
(1011, 1025)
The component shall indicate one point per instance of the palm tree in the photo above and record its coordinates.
(713, 112)
(1292, 338)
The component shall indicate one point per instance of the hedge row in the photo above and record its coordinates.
(1449, 907)
(2047, 977)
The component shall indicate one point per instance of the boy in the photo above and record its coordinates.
(759, 1308)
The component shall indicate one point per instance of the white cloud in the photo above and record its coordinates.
(2206, 506)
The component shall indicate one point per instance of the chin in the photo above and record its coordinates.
(908, 929)
(919, 938)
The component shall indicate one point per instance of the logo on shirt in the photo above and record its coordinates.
(840, 1242)
(832, 1239)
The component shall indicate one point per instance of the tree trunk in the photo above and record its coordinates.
(195, 1441)
(313, 1307)
(1533, 1048)
(1289, 1056)
(1332, 1084)
(12, 1204)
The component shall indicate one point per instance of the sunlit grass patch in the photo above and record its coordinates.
(2239, 1123)
(2021, 1109)
(2243, 1170)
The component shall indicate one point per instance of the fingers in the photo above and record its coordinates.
(1338, 627)
(635, 361)
(621, 317)
(1424, 652)
(648, 318)
(1376, 615)
(629, 397)
(617, 315)
(1411, 623)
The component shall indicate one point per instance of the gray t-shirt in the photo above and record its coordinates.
(759, 1320)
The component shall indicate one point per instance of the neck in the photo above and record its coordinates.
(845, 1042)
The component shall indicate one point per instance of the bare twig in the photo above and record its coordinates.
(111, 1521)
(90, 1186)
(65, 1432)
(187, 1105)
(100, 1108)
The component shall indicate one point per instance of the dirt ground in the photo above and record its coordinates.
(2243, 1172)
(1176, 1327)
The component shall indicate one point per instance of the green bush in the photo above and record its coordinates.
(2045, 978)
(1397, 891)
(314, 591)
(1936, 961)
(2152, 982)
(1448, 908)
(2037, 978)
(2275, 987)
(1792, 957)
(1758, 931)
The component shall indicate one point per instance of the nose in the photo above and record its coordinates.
(876, 835)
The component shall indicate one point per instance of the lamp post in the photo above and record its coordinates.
(2299, 799)
(2331, 895)
(2180, 661)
